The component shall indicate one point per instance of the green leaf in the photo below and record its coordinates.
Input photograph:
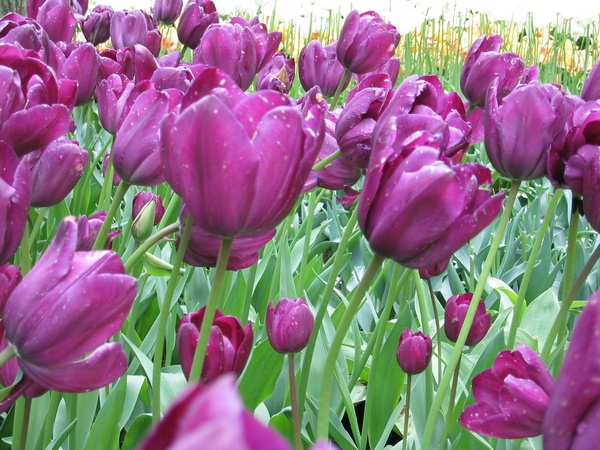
(258, 380)
(104, 434)
(539, 314)
(56, 443)
(137, 431)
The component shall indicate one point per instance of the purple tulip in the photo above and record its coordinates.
(484, 65)
(256, 142)
(147, 211)
(366, 42)
(128, 28)
(88, 229)
(195, 19)
(135, 152)
(572, 416)
(203, 248)
(434, 270)
(51, 329)
(96, 26)
(591, 190)
(115, 96)
(266, 43)
(319, 66)
(518, 145)
(454, 317)
(591, 85)
(390, 68)
(229, 345)
(167, 11)
(414, 352)
(82, 65)
(58, 19)
(212, 417)
(278, 74)
(55, 170)
(416, 207)
(14, 201)
(24, 32)
(119, 61)
(354, 127)
(511, 397)
(289, 325)
(10, 276)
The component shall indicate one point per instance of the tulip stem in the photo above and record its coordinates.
(450, 411)
(561, 318)
(571, 249)
(112, 211)
(7, 354)
(341, 86)
(36, 227)
(469, 317)
(406, 412)
(163, 317)
(336, 344)
(437, 327)
(211, 308)
(327, 160)
(148, 244)
(310, 213)
(21, 424)
(294, 402)
(539, 238)
(322, 309)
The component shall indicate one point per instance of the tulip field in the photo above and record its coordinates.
(224, 232)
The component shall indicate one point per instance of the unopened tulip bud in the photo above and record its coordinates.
(289, 325)
(414, 351)
(456, 310)
(147, 212)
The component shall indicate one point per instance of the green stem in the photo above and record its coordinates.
(148, 244)
(163, 318)
(211, 308)
(571, 252)
(336, 344)
(437, 327)
(312, 202)
(325, 161)
(7, 354)
(112, 211)
(21, 424)
(541, 233)
(294, 402)
(25, 254)
(406, 412)
(248, 294)
(36, 227)
(561, 318)
(322, 309)
(450, 412)
(340, 88)
(464, 332)
(426, 330)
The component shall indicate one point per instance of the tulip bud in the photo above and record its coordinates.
(456, 310)
(82, 66)
(88, 229)
(57, 18)
(55, 170)
(278, 74)
(10, 276)
(366, 42)
(195, 19)
(414, 351)
(167, 11)
(147, 212)
(289, 325)
(96, 27)
(319, 66)
(229, 345)
(591, 86)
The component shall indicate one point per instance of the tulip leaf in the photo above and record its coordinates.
(265, 365)
(56, 443)
(539, 313)
(105, 431)
(134, 386)
(142, 358)
(138, 429)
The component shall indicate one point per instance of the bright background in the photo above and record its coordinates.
(405, 14)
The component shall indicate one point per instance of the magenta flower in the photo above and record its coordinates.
(229, 345)
(484, 64)
(82, 65)
(278, 74)
(55, 170)
(454, 317)
(572, 416)
(414, 351)
(67, 306)
(203, 248)
(511, 398)
(591, 85)
(319, 66)
(88, 229)
(517, 145)
(14, 201)
(416, 207)
(115, 96)
(195, 19)
(266, 42)
(212, 417)
(128, 28)
(256, 142)
(10, 276)
(366, 42)
(58, 19)
(289, 325)
(147, 211)
(167, 11)
(96, 26)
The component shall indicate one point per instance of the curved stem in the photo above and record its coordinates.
(561, 318)
(470, 316)
(539, 238)
(336, 344)
(148, 244)
(571, 251)
(326, 161)
(310, 214)
(112, 211)
(294, 402)
(7, 354)
(450, 411)
(211, 308)
(437, 326)
(162, 319)
(340, 88)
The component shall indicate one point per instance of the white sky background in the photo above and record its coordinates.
(404, 14)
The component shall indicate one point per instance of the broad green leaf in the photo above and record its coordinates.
(104, 434)
(258, 380)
